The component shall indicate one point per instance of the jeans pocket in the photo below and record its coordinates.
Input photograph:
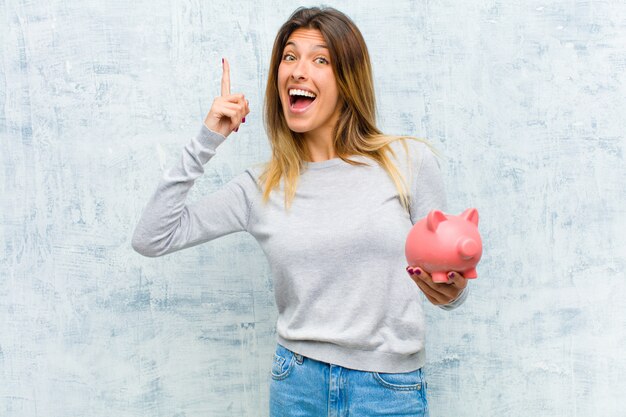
(401, 381)
(284, 360)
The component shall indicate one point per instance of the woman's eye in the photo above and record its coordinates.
(291, 56)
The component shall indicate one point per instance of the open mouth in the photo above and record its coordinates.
(298, 104)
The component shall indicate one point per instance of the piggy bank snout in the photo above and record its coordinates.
(468, 248)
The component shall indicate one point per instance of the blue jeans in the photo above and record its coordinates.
(300, 386)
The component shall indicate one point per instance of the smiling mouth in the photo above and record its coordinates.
(300, 103)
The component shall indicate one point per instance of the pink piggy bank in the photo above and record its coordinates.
(440, 243)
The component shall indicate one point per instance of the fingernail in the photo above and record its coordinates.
(222, 60)
(243, 120)
(237, 129)
(417, 271)
(451, 275)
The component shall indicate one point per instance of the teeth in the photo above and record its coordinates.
(296, 92)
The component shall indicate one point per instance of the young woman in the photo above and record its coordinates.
(331, 211)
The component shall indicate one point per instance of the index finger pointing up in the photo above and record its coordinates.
(225, 77)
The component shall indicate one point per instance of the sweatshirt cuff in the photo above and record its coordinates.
(457, 301)
(210, 138)
(204, 145)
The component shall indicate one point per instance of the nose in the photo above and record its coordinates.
(299, 71)
(467, 248)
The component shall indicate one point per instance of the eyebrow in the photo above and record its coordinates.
(314, 47)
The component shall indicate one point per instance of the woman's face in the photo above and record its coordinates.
(305, 65)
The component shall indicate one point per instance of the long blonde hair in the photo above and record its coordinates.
(355, 133)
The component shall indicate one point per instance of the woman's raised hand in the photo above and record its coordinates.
(228, 111)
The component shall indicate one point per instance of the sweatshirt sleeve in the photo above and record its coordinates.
(428, 194)
(429, 191)
(167, 224)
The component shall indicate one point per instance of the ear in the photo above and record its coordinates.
(471, 215)
(434, 218)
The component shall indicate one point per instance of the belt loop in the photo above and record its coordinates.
(299, 358)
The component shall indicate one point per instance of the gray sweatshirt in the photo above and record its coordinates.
(337, 257)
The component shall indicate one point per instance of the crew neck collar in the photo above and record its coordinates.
(329, 162)
(322, 164)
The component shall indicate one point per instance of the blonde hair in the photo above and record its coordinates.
(355, 133)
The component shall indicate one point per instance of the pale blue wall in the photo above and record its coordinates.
(526, 98)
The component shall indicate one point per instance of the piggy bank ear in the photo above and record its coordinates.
(471, 215)
(434, 218)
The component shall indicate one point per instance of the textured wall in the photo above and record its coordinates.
(526, 99)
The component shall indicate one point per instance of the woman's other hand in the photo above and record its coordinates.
(438, 293)
(228, 110)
